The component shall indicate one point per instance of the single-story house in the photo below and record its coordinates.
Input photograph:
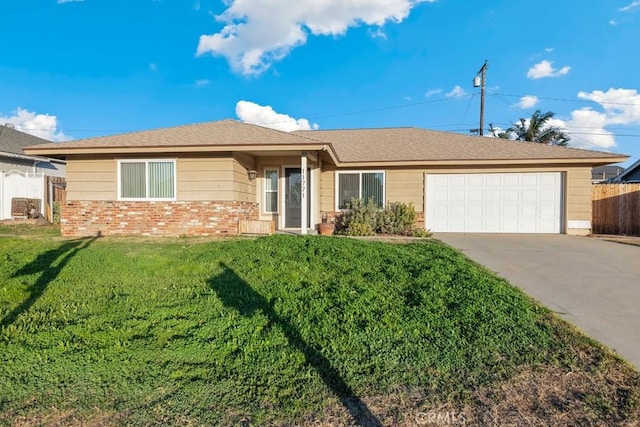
(204, 178)
(24, 176)
(602, 174)
(631, 174)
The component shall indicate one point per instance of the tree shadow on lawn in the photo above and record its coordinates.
(239, 295)
(46, 265)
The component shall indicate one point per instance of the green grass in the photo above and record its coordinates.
(28, 230)
(278, 329)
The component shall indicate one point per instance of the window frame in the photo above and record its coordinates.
(146, 162)
(264, 190)
(359, 172)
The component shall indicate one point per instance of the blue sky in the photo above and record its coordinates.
(77, 69)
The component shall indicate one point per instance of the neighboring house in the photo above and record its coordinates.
(631, 174)
(603, 174)
(24, 176)
(203, 179)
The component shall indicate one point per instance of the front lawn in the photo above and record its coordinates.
(285, 330)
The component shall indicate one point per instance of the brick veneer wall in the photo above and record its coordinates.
(86, 218)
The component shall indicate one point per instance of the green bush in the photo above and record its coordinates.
(361, 218)
(397, 218)
(56, 212)
(366, 219)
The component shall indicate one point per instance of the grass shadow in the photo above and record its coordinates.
(49, 269)
(239, 295)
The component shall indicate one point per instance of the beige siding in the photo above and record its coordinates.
(201, 178)
(406, 186)
(579, 194)
(327, 188)
(198, 177)
(91, 179)
(244, 188)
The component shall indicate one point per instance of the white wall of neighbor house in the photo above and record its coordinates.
(53, 168)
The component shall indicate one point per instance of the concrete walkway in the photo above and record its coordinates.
(592, 283)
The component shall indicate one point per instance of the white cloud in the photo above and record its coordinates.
(202, 82)
(257, 33)
(250, 112)
(378, 33)
(431, 92)
(549, 49)
(68, 1)
(587, 126)
(621, 106)
(613, 22)
(456, 92)
(41, 125)
(528, 101)
(630, 6)
(545, 69)
(587, 129)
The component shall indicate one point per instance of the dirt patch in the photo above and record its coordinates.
(58, 418)
(627, 240)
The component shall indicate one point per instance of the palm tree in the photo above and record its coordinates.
(536, 129)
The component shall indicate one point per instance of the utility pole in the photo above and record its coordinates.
(480, 80)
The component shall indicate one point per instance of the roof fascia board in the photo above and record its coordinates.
(499, 162)
(175, 149)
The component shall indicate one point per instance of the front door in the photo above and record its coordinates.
(293, 197)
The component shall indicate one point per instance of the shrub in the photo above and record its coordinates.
(56, 212)
(397, 218)
(366, 219)
(361, 218)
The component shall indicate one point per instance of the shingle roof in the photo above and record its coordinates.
(219, 133)
(411, 144)
(13, 141)
(349, 145)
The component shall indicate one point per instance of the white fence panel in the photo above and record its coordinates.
(20, 184)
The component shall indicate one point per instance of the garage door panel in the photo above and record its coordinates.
(511, 179)
(530, 180)
(475, 195)
(495, 202)
(511, 195)
(458, 195)
(550, 179)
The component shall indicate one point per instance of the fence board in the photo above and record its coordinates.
(256, 227)
(616, 208)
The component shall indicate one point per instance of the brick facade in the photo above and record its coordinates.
(109, 218)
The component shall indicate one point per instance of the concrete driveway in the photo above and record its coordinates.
(592, 283)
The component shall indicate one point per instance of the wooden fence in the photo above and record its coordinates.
(54, 191)
(616, 209)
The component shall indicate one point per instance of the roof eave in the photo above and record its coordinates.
(57, 151)
(597, 161)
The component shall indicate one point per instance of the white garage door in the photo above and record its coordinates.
(494, 202)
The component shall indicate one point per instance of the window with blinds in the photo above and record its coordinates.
(360, 185)
(146, 179)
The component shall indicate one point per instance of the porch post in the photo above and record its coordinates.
(304, 194)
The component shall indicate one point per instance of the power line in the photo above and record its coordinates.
(634, 104)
